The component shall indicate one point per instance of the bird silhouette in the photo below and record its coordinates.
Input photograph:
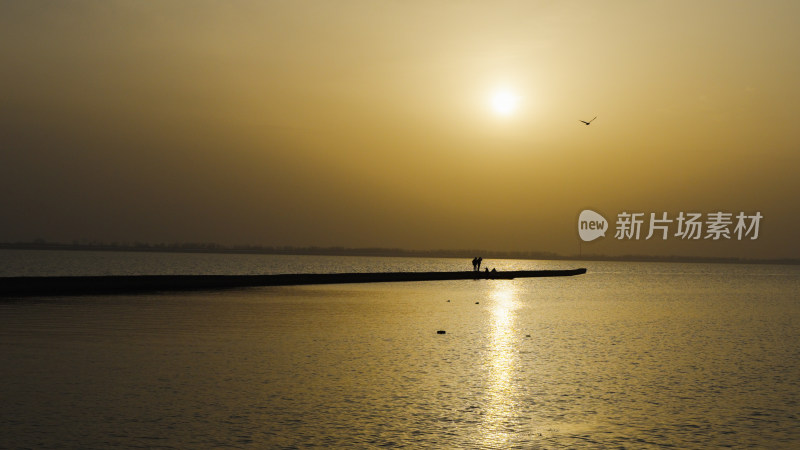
(587, 123)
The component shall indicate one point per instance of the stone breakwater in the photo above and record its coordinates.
(51, 286)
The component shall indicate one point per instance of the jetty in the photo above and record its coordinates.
(133, 284)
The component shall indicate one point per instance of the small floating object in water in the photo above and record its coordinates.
(441, 332)
(448, 301)
(477, 303)
(527, 335)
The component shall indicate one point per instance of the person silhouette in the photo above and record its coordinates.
(479, 261)
(475, 264)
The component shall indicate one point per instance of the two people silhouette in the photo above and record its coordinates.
(476, 263)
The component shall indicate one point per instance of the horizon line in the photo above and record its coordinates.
(208, 247)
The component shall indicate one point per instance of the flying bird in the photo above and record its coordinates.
(587, 123)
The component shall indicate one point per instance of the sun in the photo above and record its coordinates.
(504, 102)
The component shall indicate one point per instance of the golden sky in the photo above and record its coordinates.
(370, 123)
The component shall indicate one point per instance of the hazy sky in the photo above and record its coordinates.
(370, 123)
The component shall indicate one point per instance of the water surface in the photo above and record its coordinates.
(628, 355)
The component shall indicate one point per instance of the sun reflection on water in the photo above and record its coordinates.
(498, 425)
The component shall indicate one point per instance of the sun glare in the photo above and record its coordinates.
(504, 103)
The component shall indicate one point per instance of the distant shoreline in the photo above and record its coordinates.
(377, 252)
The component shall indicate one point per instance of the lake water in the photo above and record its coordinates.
(632, 355)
